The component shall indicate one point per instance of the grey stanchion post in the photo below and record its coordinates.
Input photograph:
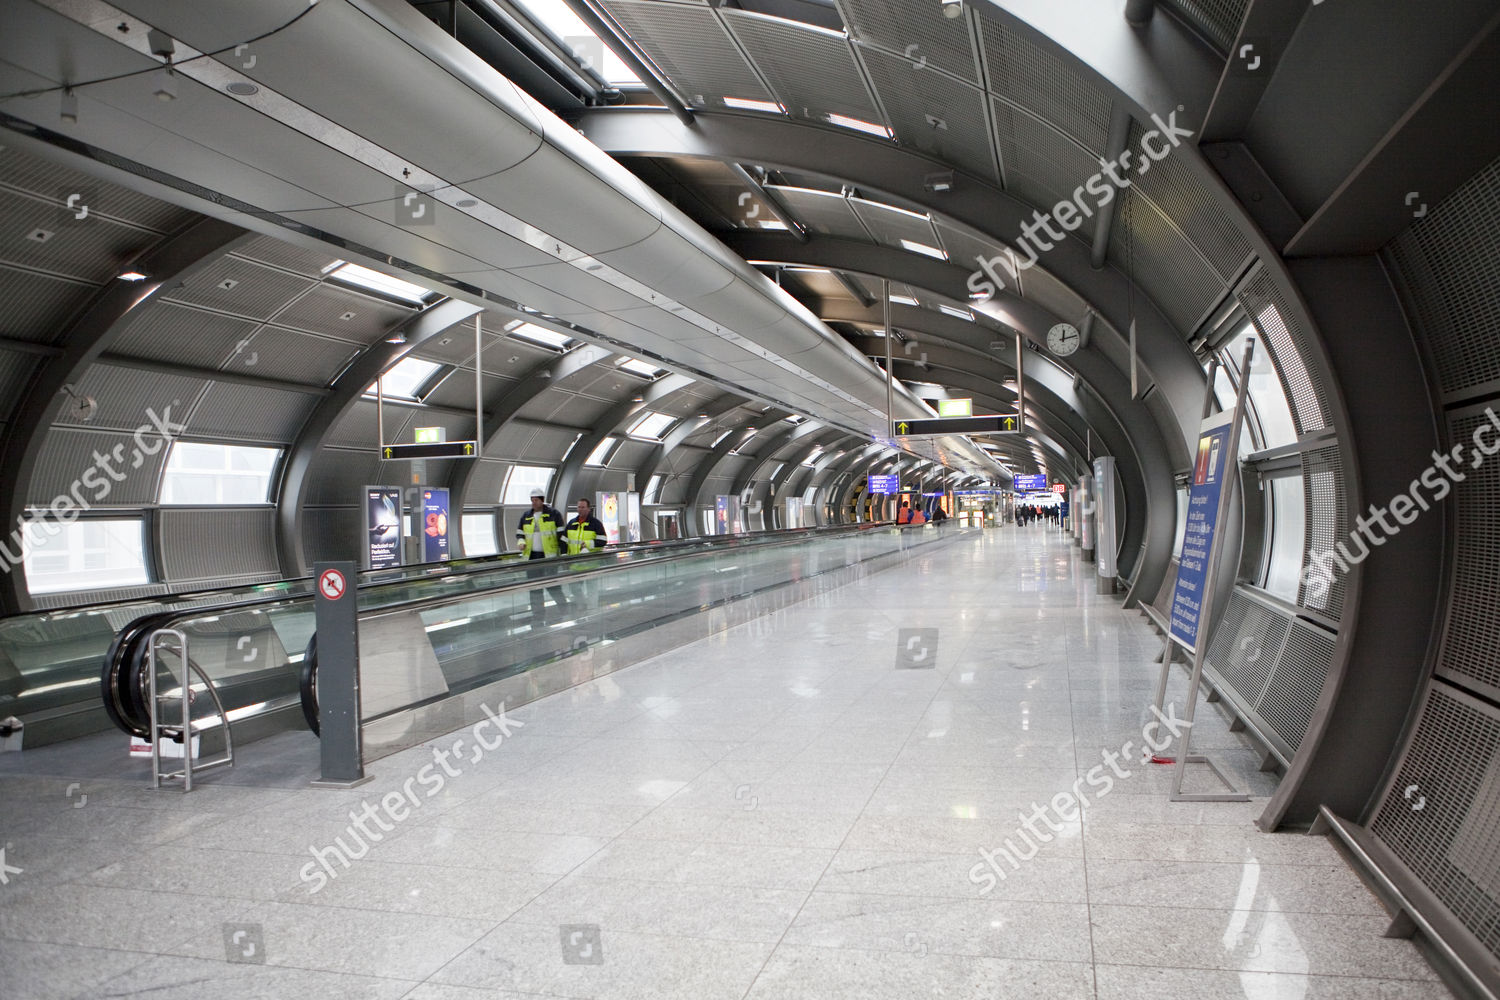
(338, 675)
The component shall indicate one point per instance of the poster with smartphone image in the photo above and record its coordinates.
(382, 527)
(434, 524)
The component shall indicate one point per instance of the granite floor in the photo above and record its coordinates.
(792, 809)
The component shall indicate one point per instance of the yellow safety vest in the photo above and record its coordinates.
(540, 521)
(581, 538)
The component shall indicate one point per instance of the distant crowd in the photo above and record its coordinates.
(1029, 513)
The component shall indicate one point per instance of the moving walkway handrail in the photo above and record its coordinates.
(122, 679)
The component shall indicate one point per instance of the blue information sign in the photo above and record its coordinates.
(435, 525)
(1028, 484)
(887, 485)
(1209, 473)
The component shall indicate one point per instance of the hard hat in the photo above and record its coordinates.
(538, 493)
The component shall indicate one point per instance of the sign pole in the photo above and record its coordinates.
(1206, 598)
(337, 637)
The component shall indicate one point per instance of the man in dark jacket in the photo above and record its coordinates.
(584, 533)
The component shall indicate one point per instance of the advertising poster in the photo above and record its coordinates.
(633, 517)
(721, 515)
(609, 516)
(382, 527)
(434, 525)
(1209, 472)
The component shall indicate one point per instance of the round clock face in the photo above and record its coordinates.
(1063, 339)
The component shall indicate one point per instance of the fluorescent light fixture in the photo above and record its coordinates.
(131, 276)
(652, 426)
(955, 312)
(916, 247)
(770, 224)
(748, 104)
(383, 284)
(540, 335)
(904, 300)
(844, 121)
(640, 368)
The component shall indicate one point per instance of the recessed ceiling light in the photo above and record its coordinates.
(747, 104)
(844, 121)
(132, 276)
(39, 235)
(242, 88)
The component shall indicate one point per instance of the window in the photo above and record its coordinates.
(89, 554)
(405, 379)
(653, 490)
(750, 104)
(218, 474)
(1272, 414)
(555, 16)
(652, 426)
(1288, 523)
(539, 335)
(479, 535)
(600, 455)
(923, 248)
(641, 368)
(522, 480)
(373, 281)
(1182, 513)
(844, 121)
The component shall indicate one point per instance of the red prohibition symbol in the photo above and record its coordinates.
(331, 583)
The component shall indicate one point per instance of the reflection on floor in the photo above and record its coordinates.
(794, 809)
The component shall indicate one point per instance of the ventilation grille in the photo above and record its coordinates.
(958, 132)
(1219, 20)
(1296, 683)
(917, 30)
(1144, 243)
(1471, 642)
(217, 544)
(813, 74)
(1450, 261)
(1031, 75)
(1287, 342)
(690, 47)
(1244, 655)
(1327, 528)
(1169, 182)
(1452, 843)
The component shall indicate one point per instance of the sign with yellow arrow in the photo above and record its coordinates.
(442, 449)
(1003, 423)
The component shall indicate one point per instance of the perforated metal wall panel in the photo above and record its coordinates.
(15, 370)
(67, 454)
(1287, 341)
(1168, 183)
(486, 481)
(812, 72)
(125, 395)
(1471, 642)
(64, 600)
(1143, 242)
(37, 307)
(166, 331)
(257, 292)
(933, 113)
(890, 225)
(692, 48)
(355, 429)
(226, 545)
(1327, 519)
(270, 250)
(1450, 262)
(964, 248)
(104, 200)
(1041, 165)
(1452, 843)
(1027, 72)
(822, 212)
(90, 249)
(291, 356)
(1245, 646)
(1218, 20)
(330, 533)
(917, 30)
(1292, 690)
(322, 310)
(250, 413)
(338, 475)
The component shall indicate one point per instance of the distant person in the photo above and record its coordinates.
(939, 515)
(903, 516)
(585, 533)
(541, 537)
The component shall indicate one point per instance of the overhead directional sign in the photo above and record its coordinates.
(885, 485)
(445, 449)
(1005, 423)
(1029, 484)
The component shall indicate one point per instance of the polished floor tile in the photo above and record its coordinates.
(787, 809)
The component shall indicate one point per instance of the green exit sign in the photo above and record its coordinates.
(955, 407)
(431, 435)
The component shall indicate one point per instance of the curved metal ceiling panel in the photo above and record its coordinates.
(811, 70)
(1026, 72)
(933, 112)
(918, 30)
(250, 413)
(692, 49)
(671, 265)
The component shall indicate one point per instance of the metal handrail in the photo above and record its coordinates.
(188, 668)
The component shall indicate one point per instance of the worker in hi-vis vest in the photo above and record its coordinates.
(585, 533)
(540, 535)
